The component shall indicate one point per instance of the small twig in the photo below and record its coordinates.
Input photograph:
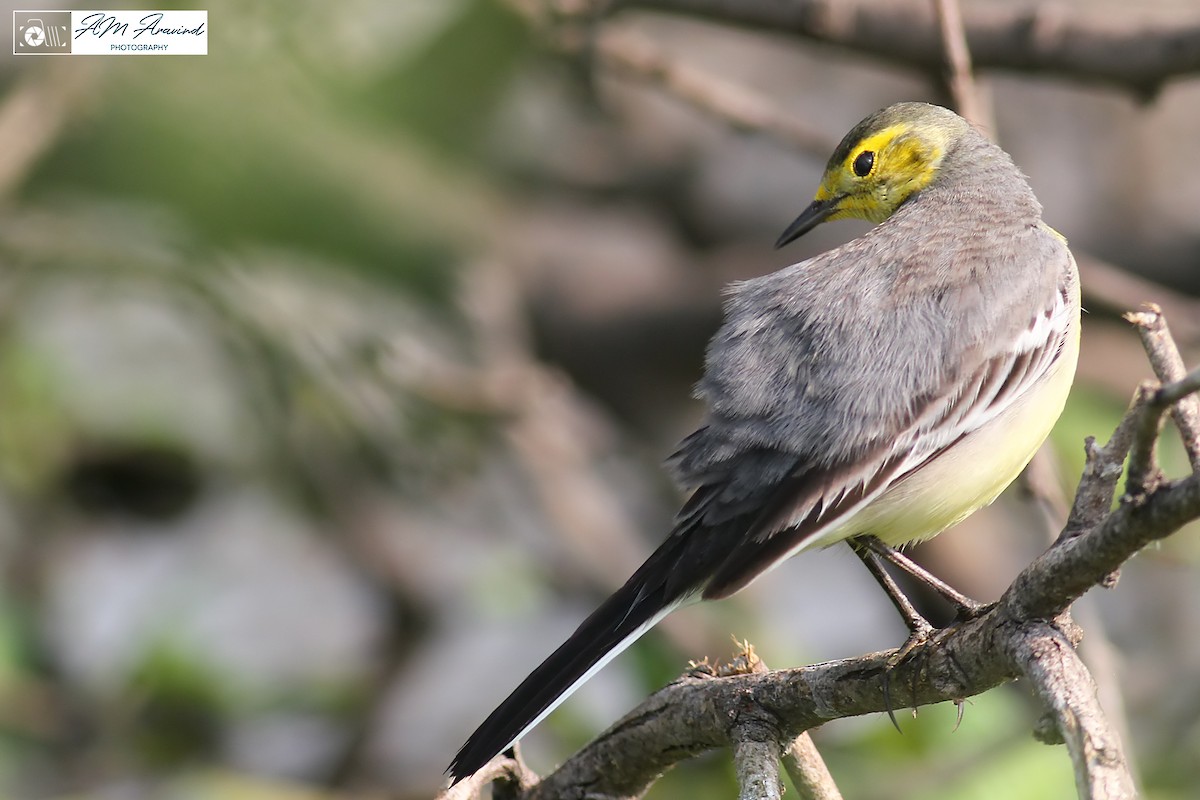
(1177, 391)
(756, 748)
(512, 772)
(808, 772)
(756, 764)
(1111, 287)
(1064, 685)
(1096, 649)
(1103, 467)
(631, 55)
(1142, 474)
(1086, 560)
(36, 111)
(1101, 657)
(625, 52)
(964, 90)
(1153, 401)
(1182, 390)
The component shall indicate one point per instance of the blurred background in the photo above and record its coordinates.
(337, 367)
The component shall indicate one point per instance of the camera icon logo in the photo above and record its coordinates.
(41, 32)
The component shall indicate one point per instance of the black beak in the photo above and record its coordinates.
(810, 218)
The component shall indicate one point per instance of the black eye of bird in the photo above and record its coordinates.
(862, 165)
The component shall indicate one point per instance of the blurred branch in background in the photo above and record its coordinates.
(34, 113)
(969, 99)
(631, 55)
(1112, 287)
(628, 54)
(1126, 48)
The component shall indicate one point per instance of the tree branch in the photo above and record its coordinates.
(1026, 634)
(36, 110)
(1129, 50)
(632, 55)
(1110, 286)
(509, 772)
(808, 772)
(623, 51)
(756, 764)
(1062, 682)
(968, 98)
(1168, 366)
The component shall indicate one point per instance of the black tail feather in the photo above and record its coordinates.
(648, 593)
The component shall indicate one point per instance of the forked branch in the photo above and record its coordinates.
(1028, 634)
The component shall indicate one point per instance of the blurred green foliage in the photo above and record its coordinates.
(35, 434)
(251, 145)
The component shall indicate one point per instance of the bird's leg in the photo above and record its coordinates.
(919, 628)
(873, 553)
(965, 607)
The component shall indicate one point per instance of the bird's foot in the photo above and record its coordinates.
(920, 634)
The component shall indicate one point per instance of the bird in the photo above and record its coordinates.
(877, 393)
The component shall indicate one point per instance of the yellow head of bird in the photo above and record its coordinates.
(880, 163)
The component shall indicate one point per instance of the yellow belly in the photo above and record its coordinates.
(973, 472)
